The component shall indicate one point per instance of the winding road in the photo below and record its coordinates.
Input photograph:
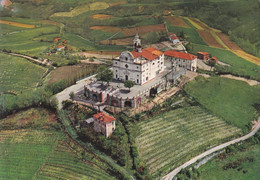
(210, 151)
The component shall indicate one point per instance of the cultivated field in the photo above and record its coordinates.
(41, 152)
(17, 24)
(169, 139)
(82, 9)
(101, 16)
(209, 38)
(177, 21)
(232, 100)
(203, 25)
(144, 29)
(70, 73)
(106, 28)
(197, 26)
(18, 74)
(120, 42)
(191, 33)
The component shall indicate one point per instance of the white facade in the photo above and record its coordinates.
(135, 67)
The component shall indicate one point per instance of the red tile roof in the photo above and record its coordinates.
(203, 53)
(60, 47)
(56, 39)
(180, 55)
(148, 53)
(104, 117)
(154, 51)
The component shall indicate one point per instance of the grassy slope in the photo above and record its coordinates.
(213, 170)
(238, 66)
(18, 74)
(28, 153)
(191, 33)
(229, 99)
(171, 138)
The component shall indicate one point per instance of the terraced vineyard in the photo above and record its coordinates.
(168, 140)
(44, 153)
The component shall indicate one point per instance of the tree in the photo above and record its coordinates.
(212, 64)
(72, 95)
(129, 84)
(104, 74)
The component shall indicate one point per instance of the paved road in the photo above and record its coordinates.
(206, 153)
(79, 86)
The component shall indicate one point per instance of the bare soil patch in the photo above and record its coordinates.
(106, 28)
(69, 73)
(119, 42)
(177, 21)
(209, 38)
(230, 44)
(117, 3)
(17, 24)
(143, 29)
(52, 118)
(101, 16)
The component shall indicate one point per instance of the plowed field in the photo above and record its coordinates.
(209, 38)
(117, 3)
(101, 16)
(106, 28)
(143, 29)
(177, 21)
(119, 42)
(231, 45)
(17, 24)
(203, 25)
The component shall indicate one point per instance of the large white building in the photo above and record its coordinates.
(140, 65)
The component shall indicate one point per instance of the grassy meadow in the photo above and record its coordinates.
(245, 165)
(18, 74)
(171, 138)
(42, 152)
(231, 100)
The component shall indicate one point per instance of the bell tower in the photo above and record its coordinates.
(137, 44)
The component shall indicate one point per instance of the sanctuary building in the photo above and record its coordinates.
(140, 65)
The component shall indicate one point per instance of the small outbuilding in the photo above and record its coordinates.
(104, 123)
(203, 55)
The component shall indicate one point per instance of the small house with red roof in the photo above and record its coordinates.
(182, 60)
(173, 38)
(60, 48)
(203, 55)
(104, 123)
(215, 59)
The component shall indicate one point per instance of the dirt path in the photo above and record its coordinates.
(101, 56)
(210, 151)
(249, 81)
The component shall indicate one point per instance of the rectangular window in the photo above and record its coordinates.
(137, 81)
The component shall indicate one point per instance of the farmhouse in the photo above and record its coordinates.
(173, 38)
(182, 60)
(104, 123)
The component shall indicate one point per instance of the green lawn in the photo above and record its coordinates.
(238, 65)
(41, 152)
(213, 170)
(5, 28)
(170, 139)
(229, 99)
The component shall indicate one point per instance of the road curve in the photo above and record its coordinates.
(210, 151)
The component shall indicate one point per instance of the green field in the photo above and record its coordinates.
(45, 153)
(18, 74)
(174, 137)
(229, 99)
(245, 163)
(191, 33)
(238, 65)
